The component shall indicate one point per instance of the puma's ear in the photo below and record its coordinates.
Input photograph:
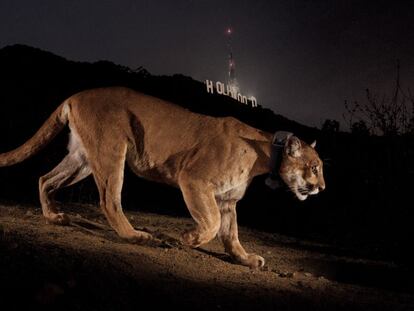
(294, 147)
(313, 145)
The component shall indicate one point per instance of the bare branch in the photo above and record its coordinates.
(384, 115)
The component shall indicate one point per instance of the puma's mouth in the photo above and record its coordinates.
(314, 191)
(301, 194)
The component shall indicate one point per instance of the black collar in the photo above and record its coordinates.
(274, 180)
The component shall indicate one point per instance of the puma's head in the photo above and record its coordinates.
(301, 168)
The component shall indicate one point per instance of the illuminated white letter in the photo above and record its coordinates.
(229, 92)
(239, 97)
(220, 88)
(210, 88)
(254, 101)
(225, 90)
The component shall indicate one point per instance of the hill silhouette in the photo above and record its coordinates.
(368, 178)
(35, 82)
(43, 69)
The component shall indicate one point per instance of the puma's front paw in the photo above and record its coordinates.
(191, 238)
(139, 237)
(253, 261)
(58, 219)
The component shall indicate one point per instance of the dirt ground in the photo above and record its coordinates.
(85, 266)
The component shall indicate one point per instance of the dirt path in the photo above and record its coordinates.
(86, 266)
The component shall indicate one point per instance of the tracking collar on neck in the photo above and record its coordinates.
(274, 180)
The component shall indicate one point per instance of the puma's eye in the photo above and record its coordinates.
(315, 170)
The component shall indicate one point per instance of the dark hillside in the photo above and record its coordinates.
(367, 203)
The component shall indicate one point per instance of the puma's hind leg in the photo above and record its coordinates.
(72, 169)
(108, 171)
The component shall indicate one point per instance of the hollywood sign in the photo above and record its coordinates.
(222, 89)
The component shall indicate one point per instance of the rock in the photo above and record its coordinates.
(71, 283)
(49, 293)
(286, 274)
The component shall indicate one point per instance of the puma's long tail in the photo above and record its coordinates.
(43, 136)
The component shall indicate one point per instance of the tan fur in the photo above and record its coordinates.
(302, 169)
(212, 160)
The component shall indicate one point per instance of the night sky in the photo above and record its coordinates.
(302, 59)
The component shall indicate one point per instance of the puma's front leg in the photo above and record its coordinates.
(229, 235)
(202, 206)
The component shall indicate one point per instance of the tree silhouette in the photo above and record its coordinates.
(330, 126)
(360, 128)
(384, 115)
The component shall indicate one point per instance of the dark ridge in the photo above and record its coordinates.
(368, 178)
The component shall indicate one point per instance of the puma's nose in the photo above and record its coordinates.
(321, 187)
(311, 187)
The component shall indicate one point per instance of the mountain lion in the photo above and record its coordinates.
(212, 161)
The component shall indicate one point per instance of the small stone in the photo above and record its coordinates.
(308, 274)
(49, 293)
(29, 213)
(286, 274)
(71, 283)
